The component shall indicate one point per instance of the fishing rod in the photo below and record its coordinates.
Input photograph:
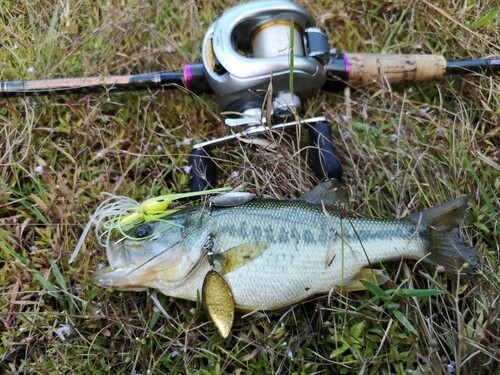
(255, 44)
(346, 69)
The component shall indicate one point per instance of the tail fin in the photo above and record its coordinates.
(440, 225)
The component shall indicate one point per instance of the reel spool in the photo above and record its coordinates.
(251, 45)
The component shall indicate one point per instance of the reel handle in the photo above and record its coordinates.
(325, 162)
(202, 170)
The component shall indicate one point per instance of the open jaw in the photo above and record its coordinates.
(120, 278)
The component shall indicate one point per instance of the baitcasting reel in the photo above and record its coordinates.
(258, 52)
(257, 43)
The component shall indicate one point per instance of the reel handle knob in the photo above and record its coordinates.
(202, 170)
(325, 162)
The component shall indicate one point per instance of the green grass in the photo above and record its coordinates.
(403, 149)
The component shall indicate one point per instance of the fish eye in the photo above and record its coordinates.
(143, 231)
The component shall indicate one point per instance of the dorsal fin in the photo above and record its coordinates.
(328, 193)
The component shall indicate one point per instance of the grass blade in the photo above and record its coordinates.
(51, 35)
(491, 16)
(375, 289)
(417, 292)
(405, 322)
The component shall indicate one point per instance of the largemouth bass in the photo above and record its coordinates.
(267, 254)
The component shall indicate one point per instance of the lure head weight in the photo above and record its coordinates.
(250, 46)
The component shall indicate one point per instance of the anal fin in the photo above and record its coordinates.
(366, 274)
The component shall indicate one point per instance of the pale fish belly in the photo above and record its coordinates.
(309, 251)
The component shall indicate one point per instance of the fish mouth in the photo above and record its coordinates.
(119, 278)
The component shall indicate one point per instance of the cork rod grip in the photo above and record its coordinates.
(366, 69)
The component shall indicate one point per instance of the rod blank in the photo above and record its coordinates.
(148, 81)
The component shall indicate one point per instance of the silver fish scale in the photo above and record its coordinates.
(310, 250)
(300, 222)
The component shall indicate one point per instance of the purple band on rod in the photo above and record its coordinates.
(347, 67)
(188, 77)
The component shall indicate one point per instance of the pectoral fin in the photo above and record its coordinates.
(218, 301)
(367, 274)
(240, 255)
